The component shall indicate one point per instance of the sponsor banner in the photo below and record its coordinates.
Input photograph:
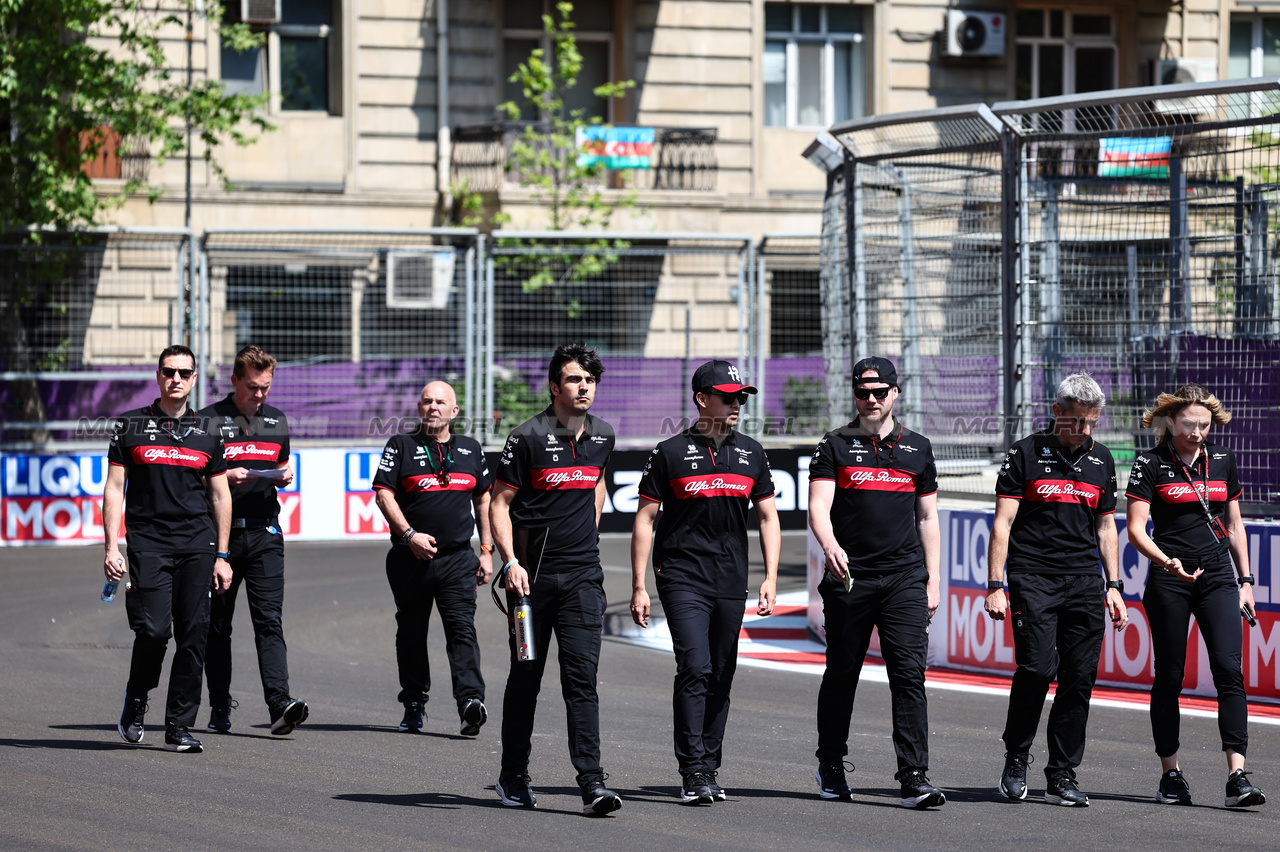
(57, 499)
(963, 636)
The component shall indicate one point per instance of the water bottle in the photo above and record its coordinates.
(109, 588)
(523, 617)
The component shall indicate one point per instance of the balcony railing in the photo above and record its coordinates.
(684, 158)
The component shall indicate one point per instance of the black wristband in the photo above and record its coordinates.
(1247, 579)
(408, 534)
(1118, 585)
(995, 585)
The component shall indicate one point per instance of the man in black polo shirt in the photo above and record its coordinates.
(427, 485)
(545, 516)
(256, 436)
(873, 493)
(1055, 515)
(703, 480)
(178, 519)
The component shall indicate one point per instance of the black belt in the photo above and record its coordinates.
(253, 523)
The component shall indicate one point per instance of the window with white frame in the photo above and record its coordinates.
(1060, 52)
(814, 66)
(1253, 50)
(298, 63)
(523, 32)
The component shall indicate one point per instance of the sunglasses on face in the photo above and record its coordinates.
(730, 398)
(867, 393)
(168, 372)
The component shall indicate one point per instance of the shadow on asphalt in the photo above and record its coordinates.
(72, 745)
(452, 801)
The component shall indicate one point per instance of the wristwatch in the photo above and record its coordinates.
(1248, 579)
(995, 585)
(222, 554)
(1118, 585)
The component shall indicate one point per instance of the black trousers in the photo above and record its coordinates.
(1058, 623)
(704, 635)
(898, 605)
(1214, 600)
(257, 563)
(449, 582)
(170, 597)
(571, 605)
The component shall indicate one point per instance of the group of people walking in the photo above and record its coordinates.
(199, 517)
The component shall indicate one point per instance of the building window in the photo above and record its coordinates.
(523, 32)
(1064, 53)
(814, 67)
(1253, 51)
(299, 62)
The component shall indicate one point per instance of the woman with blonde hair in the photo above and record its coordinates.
(1189, 488)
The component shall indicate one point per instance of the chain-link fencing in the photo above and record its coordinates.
(83, 318)
(992, 251)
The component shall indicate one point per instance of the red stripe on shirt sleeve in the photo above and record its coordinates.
(1136, 497)
(650, 499)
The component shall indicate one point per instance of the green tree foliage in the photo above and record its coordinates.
(69, 68)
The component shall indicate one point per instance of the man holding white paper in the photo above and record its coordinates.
(257, 449)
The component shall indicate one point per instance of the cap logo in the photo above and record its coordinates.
(733, 373)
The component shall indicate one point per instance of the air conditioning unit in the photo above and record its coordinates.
(975, 33)
(419, 279)
(260, 11)
(1173, 72)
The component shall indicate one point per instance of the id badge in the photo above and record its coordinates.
(1219, 531)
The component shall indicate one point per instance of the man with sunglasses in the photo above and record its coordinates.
(1055, 518)
(703, 480)
(433, 488)
(873, 508)
(256, 437)
(178, 518)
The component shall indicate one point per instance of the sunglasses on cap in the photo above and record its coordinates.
(866, 393)
(168, 372)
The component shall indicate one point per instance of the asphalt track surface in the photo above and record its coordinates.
(347, 779)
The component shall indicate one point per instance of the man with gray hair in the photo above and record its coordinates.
(1055, 516)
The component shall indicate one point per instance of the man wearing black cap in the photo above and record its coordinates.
(703, 479)
(873, 492)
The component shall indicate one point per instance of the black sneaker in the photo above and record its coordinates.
(220, 718)
(598, 800)
(514, 791)
(696, 789)
(1061, 789)
(1242, 794)
(917, 792)
(473, 715)
(178, 738)
(717, 792)
(130, 724)
(1174, 789)
(1013, 781)
(287, 716)
(831, 782)
(414, 717)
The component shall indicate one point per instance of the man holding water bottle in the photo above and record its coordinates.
(178, 518)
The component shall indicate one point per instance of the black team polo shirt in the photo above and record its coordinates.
(1160, 478)
(259, 442)
(167, 507)
(701, 541)
(1062, 492)
(555, 476)
(411, 469)
(873, 513)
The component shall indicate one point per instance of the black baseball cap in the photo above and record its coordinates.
(883, 369)
(720, 376)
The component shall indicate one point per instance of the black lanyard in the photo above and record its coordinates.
(1201, 496)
